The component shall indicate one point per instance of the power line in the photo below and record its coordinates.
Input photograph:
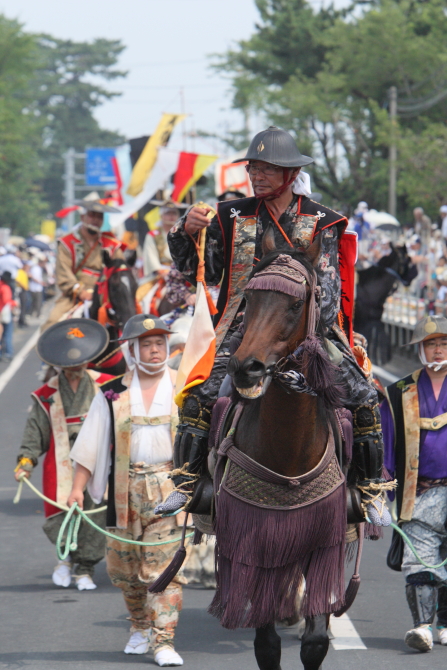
(162, 63)
(172, 86)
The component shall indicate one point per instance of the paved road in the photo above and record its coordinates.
(46, 628)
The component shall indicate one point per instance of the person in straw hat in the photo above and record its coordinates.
(414, 421)
(79, 261)
(58, 410)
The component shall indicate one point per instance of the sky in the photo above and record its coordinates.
(167, 47)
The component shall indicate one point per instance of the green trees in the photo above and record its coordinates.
(49, 89)
(326, 74)
(21, 201)
(66, 92)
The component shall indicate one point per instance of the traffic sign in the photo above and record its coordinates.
(98, 167)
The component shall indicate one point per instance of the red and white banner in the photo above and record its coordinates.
(233, 176)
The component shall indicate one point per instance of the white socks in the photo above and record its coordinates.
(167, 657)
(139, 642)
(85, 583)
(62, 574)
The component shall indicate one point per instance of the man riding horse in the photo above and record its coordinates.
(79, 261)
(282, 211)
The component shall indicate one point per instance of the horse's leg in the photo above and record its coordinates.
(315, 642)
(268, 648)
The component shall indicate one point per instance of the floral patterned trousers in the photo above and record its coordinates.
(132, 568)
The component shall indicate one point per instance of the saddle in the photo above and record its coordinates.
(202, 501)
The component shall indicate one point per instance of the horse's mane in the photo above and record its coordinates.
(312, 359)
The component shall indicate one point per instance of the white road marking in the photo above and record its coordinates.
(18, 360)
(346, 636)
(380, 372)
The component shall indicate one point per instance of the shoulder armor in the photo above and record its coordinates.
(246, 207)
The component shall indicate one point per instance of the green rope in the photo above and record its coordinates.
(410, 544)
(73, 528)
(71, 523)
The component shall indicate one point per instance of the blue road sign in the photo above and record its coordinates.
(98, 167)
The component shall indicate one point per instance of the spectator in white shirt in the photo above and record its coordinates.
(36, 285)
(10, 262)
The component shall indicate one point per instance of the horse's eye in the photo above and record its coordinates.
(297, 305)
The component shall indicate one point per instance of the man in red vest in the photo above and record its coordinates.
(57, 414)
(79, 260)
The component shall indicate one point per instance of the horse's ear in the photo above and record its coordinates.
(313, 252)
(130, 256)
(268, 241)
(106, 258)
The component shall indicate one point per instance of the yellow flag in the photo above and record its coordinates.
(48, 227)
(201, 164)
(152, 218)
(146, 161)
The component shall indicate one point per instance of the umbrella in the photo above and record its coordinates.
(33, 242)
(381, 220)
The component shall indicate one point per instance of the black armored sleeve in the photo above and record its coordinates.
(184, 254)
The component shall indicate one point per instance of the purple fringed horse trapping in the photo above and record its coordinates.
(273, 531)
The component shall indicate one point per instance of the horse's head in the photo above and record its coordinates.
(114, 297)
(400, 263)
(281, 313)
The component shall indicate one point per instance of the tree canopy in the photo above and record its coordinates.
(49, 90)
(325, 76)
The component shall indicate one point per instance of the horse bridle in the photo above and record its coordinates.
(103, 292)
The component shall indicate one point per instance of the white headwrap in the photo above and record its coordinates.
(134, 360)
(436, 365)
(301, 185)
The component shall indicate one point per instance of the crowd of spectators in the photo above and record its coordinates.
(26, 279)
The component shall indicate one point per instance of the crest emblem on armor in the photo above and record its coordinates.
(260, 147)
(149, 324)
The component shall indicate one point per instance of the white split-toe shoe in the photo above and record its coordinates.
(139, 641)
(420, 638)
(85, 583)
(167, 657)
(62, 574)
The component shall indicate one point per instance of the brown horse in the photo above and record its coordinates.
(261, 558)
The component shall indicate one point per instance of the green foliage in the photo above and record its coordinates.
(49, 89)
(66, 94)
(20, 197)
(325, 75)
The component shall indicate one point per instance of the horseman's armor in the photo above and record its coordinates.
(233, 247)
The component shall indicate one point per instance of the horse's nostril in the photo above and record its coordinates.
(253, 367)
(233, 366)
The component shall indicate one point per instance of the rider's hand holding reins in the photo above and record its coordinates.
(197, 219)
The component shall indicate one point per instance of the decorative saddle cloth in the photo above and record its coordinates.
(274, 531)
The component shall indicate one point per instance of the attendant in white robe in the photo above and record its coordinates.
(126, 442)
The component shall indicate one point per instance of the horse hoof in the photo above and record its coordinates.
(313, 654)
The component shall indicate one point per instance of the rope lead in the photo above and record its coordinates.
(72, 521)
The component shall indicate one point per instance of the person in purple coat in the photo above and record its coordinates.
(414, 424)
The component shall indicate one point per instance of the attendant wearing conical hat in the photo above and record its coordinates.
(136, 414)
(414, 419)
(58, 410)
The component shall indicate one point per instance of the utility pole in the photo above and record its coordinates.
(182, 109)
(69, 179)
(393, 152)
